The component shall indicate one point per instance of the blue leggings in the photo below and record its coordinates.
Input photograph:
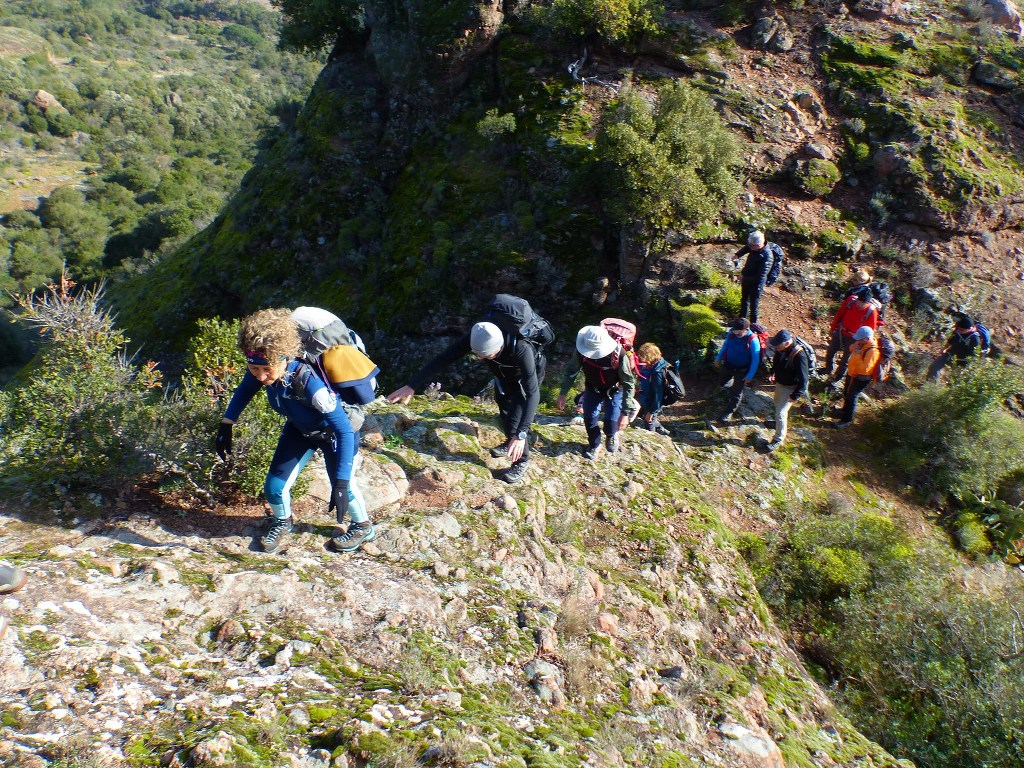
(293, 452)
(592, 403)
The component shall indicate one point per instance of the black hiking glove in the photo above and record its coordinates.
(339, 500)
(224, 441)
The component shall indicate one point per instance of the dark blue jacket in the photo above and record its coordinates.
(314, 409)
(740, 352)
(651, 385)
(763, 266)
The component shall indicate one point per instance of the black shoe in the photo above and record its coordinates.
(774, 445)
(515, 473)
(356, 535)
(276, 531)
(842, 424)
(727, 417)
(499, 451)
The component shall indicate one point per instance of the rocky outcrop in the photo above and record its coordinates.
(480, 612)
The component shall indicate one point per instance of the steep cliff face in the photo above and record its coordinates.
(448, 152)
(597, 614)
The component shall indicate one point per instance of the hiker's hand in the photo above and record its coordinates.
(224, 440)
(560, 405)
(515, 449)
(402, 395)
(339, 500)
(623, 421)
(748, 382)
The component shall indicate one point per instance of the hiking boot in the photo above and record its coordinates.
(11, 579)
(576, 421)
(842, 424)
(276, 531)
(515, 473)
(725, 418)
(352, 539)
(499, 451)
(774, 445)
(658, 429)
(592, 452)
(611, 443)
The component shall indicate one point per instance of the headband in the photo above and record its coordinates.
(253, 357)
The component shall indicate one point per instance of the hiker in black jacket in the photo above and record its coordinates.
(761, 269)
(965, 344)
(518, 367)
(791, 369)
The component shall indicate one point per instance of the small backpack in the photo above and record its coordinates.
(886, 350)
(762, 336)
(672, 389)
(516, 317)
(337, 354)
(624, 332)
(812, 361)
(986, 337)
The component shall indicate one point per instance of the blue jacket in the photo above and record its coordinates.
(651, 385)
(740, 352)
(315, 409)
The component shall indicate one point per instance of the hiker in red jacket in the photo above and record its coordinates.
(857, 311)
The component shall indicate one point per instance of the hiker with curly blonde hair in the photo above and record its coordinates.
(315, 419)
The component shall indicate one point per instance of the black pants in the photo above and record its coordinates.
(511, 400)
(736, 388)
(838, 343)
(750, 299)
(855, 385)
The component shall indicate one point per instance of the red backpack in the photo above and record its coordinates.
(761, 332)
(624, 332)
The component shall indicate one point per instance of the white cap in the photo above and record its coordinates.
(486, 339)
(594, 342)
(755, 239)
(864, 332)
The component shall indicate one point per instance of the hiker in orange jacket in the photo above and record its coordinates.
(863, 360)
(856, 311)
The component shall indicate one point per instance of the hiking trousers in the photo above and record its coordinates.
(593, 402)
(750, 299)
(839, 343)
(783, 393)
(293, 452)
(736, 388)
(855, 386)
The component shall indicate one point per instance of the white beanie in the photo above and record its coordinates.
(594, 342)
(755, 239)
(486, 339)
(864, 332)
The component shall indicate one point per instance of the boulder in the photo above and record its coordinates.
(992, 76)
(877, 9)
(772, 33)
(45, 100)
(1006, 15)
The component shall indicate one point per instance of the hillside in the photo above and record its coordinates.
(595, 615)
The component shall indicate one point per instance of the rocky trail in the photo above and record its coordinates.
(595, 614)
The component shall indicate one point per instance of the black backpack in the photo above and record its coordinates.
(515, 316)
(672, 389)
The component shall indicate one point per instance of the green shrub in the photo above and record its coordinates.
(696, 325)
(78, 417)
(817, 177)
(955, 440)
(666, 166)
(972, 535)
(616, 21)
(728, 301)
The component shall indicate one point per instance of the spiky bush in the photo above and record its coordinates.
(80, 414)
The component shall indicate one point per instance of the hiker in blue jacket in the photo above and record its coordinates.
(739, 358)
(965, 344)
(761, 270)
(651, 386)
(314, 419)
